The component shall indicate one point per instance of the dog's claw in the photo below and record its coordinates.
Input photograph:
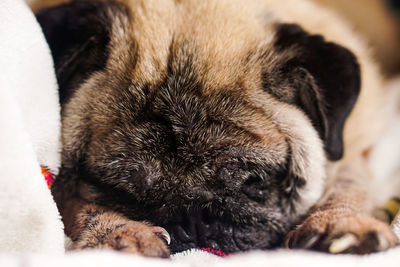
(383, 243)
(305, 242)
(308, 243)
(343, 243)
(161, 232)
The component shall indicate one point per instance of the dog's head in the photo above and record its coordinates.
(198, 118)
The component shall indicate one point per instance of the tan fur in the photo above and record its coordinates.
(216, 46)
(223, 60)
(225, 66)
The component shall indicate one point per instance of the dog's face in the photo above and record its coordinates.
(209, 125)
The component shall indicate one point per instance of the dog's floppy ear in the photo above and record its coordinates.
(323, 80)
(78, 34)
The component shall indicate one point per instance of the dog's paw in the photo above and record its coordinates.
(342, 232)
(129, 236)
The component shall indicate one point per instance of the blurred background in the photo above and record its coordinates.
(379, 22)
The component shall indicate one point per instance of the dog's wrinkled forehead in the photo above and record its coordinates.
(175, 130)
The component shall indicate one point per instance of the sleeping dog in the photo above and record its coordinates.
(234, 125)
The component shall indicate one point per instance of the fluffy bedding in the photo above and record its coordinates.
(31, 229)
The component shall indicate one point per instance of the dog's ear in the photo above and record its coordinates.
(320, 77)
(78, 34)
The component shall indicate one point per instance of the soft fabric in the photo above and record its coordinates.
(29, 139)
(279, 258)
(29, 135)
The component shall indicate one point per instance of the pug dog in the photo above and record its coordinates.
(233, 125)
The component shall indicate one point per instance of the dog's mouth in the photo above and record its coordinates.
(202, 231)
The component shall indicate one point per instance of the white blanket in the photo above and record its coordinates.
(29, 135)
(31, 230)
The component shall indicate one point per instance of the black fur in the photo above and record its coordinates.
(167, 153)
(326, 80)
(78, 34)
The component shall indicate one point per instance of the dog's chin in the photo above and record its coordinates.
(200, 231)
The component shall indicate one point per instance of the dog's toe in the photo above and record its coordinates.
(131, 237)
(338, 232)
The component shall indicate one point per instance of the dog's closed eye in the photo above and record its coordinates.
(254, 187)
